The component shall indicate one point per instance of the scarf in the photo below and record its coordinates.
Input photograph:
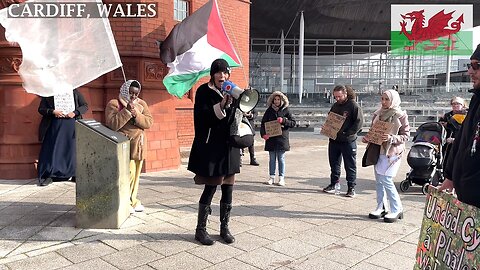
(387, 115)
(124, 96)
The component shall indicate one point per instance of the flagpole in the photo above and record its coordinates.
(123, 72)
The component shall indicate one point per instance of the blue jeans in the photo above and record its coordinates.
(347, 150)
(274, 156)
(384, 184)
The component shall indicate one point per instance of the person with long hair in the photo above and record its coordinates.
(390, 155)
(277, 110)
(345, 144)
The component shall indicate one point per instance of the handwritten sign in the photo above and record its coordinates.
(377, 130)
(64, 102)
(332, 125)
(450, 234)
(273, 128)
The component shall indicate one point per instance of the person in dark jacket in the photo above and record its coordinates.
(345, 144)
(57, 159)
(213, 160)
(452, 121)
(277, 110)
(251, 115)
(461, 170)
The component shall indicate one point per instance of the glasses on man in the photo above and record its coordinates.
(474, 66)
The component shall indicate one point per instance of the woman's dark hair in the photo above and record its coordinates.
(135, 84)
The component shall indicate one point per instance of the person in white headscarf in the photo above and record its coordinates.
(129, 115)
(391, 151)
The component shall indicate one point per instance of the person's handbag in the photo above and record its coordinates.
(241, 132)
(370, 157)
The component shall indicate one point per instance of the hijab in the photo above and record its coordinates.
(124, 96)
(386, 115)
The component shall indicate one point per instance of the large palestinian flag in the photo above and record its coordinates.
(192, 46)
(432, 29)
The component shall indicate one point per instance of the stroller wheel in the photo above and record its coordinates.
(404, 185)
(425, 188)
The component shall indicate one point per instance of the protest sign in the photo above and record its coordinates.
(332, 125)
(64, 102)
(377, 130)
(450, 234)
(273, 128)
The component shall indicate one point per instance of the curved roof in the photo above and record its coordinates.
(332, 19)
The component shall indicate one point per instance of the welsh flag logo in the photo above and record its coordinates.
(431, 29)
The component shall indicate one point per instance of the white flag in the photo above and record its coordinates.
(60, 54)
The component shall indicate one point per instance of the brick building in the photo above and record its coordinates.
(137, 44)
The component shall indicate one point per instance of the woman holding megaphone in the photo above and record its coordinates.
(212, 158)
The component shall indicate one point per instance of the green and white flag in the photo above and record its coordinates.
(192, 46)
(432, 29)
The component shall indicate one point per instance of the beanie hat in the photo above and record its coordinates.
(476, 54)
(218, 66)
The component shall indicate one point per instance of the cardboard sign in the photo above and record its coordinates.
(273, 128)
(332, 125)
(64, 102)
(377, 130)
(449, 237)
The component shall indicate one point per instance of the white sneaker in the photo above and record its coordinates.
(270, 180)
(282, 181)
(139, 208)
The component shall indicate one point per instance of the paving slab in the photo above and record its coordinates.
(292, 227)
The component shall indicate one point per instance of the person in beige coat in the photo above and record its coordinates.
(129, 115)
(390, 155)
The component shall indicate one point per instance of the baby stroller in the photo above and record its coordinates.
(425, 157)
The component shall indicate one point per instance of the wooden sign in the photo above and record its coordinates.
(332, 125)
(449, 237)
(64, 102)
(273, 128)
(378, 129)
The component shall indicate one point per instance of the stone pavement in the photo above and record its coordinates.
(291, 227)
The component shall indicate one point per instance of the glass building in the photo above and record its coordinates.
(367, 65)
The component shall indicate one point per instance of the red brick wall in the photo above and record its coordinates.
(136, 42)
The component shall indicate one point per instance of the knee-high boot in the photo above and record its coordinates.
(201, 233)
(225, 209)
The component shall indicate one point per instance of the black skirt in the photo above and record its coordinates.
(58, 154)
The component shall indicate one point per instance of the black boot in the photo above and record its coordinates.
(201, 233)
(225, 209)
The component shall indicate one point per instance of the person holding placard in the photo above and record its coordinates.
(344, 145)
(57, 159)
(274, 129)
(461, 170)
(396, 131)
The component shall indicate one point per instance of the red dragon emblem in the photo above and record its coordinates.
(437, 27)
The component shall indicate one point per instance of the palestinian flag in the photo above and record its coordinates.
(192, 46)
(431, 29)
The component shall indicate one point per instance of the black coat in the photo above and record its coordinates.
(47, 106)
(462, 164)
(278, 142)
(211, 154)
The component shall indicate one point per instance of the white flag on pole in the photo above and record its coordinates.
(60, 54)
